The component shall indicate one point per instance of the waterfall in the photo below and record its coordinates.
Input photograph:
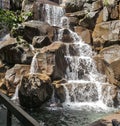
(53, 14)
(34, 64)
(15, 96)
(84, 86)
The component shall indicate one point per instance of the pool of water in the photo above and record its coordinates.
(59, 116)
(67, 117)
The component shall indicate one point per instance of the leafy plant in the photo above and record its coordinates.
(13, 19)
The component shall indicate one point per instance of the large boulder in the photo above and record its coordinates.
(37, 28)
(111, 56)
(35, 89)
(106, 34)
(51, 60)
(13, 52)
(13, 77)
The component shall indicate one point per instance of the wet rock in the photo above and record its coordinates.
(84, 33)
(59, 90)
(34, 90)
(37, 28)
(110, 95)
(81, 92)
(38, 9)
(101, 122)
(66, 36)
(13, 77)
(111, 62)
(41, 41)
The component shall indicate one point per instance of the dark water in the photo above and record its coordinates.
(58, 117)
(67, 117)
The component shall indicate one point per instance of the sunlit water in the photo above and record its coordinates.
(58, 116)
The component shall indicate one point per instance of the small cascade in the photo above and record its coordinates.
(34, 64)
(32, 47)
(15, 96)
(53, 14)
(53, 100)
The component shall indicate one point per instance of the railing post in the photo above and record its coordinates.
(9, 118)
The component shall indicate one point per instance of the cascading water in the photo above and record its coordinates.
(34, 64)
(84, 82)
(53, 14)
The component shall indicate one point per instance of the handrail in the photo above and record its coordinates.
(18, 112)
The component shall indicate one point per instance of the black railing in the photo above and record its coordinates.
(18, 112)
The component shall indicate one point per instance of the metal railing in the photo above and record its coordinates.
(18, 112)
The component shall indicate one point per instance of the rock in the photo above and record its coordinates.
(84, 33)
(89, 20)
(99, 61)
(41, 41)
(66, 36)
(15, 5)
(37, 28)
(97, 5)
(110, 95)
(13, 77)
(56, 1)
(109, 120)
(74, 6)
(101, 122)
(59, 90)
(13, 52)
(106, 34)
(51, 60)
(35, 90)
(78, 14)
(111, 57)
(81, 92)
(73, 21)
(27, 5)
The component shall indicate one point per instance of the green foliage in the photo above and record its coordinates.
(13, 19)
(105, 2)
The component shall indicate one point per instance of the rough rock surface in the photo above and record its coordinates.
(37, 28)
(35, 90)
(111, 56)
(41, 41)
(51, 60)
(13, 77)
